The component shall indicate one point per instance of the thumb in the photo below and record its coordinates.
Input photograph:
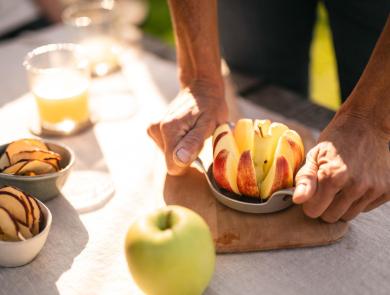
(306, 178)
(190, 145)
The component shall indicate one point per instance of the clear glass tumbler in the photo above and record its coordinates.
(95, 26)
(59, 78)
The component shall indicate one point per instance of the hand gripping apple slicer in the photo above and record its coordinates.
(278, 201)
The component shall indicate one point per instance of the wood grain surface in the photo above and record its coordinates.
(234, 231)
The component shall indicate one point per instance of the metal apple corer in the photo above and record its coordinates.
(278, 201)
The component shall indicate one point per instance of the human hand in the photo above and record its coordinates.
(348, 172)
(192, 117)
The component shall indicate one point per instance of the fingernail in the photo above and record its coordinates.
(183, 156)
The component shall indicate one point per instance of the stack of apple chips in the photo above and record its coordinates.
(256, 158)
(29, 157)
(21, 217)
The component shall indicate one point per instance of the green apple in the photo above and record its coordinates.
(170, 251)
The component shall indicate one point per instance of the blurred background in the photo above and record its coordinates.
(324, 88)
(154, 19)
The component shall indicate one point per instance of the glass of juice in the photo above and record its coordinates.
(94, 25)
(59, 78)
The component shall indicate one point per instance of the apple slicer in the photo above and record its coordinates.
(278, 201)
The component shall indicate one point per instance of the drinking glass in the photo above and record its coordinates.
(59, 78)
(95, 26)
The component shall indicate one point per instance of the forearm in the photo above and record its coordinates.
(371, 96)
(197, 45)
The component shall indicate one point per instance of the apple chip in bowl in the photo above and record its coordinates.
(256, 158)
(29, 157)
(24, 226)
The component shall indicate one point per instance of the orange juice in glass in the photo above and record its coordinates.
(59, 80)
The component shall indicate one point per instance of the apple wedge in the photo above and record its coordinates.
(37, 167)
(297, 148)
(225, 158)
(4, 161)
(14, 206)
(8, 226)
(38, 216)
(262, 148)
(34, 155)
(280, 175)
(275, 131)
(27, 144)
(14, 169)
(21, 195)
(246, 173)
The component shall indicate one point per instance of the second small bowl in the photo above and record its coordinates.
(14, 254)
(47, 186)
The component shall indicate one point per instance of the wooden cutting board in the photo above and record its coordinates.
(234, 231)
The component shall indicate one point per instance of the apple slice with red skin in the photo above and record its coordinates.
(22, 196)
(8, 226)
(246, 176)
(225, 158)
(16, 207)
(246, 173)
(280, 175)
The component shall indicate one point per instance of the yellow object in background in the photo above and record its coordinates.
(324, 83)
(62, 97)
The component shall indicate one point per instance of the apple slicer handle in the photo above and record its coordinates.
(199, 164)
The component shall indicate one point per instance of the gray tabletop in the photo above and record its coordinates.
(84, 252)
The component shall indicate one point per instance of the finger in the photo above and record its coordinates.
(378, 202)
(332, 177)
(155, 133)
(191, 144)
(172, 132)
(306, 179)
(343, 202)
(359, 205)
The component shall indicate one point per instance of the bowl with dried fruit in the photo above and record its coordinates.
(24, 226)
(38, 168)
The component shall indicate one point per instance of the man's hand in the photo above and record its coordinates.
(192, 117)
(347, 172)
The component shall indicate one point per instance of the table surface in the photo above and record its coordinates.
(84, 252)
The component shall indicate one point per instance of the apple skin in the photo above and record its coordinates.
(170, 252)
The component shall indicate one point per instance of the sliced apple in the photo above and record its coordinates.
(246, 176)
(14, 206)
(37, 167)
(246, 173)
(27, 144)
(280, 175)
(34, 155)
(14, 169)
(275, 131)
(4, 161)
(297, 148)
(38, 216)
(225, 170)
(22, 196)
(262, 148)
(8, 226)
(223, 140)
(24, 230)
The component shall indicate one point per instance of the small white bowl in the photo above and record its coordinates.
(13, 254)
